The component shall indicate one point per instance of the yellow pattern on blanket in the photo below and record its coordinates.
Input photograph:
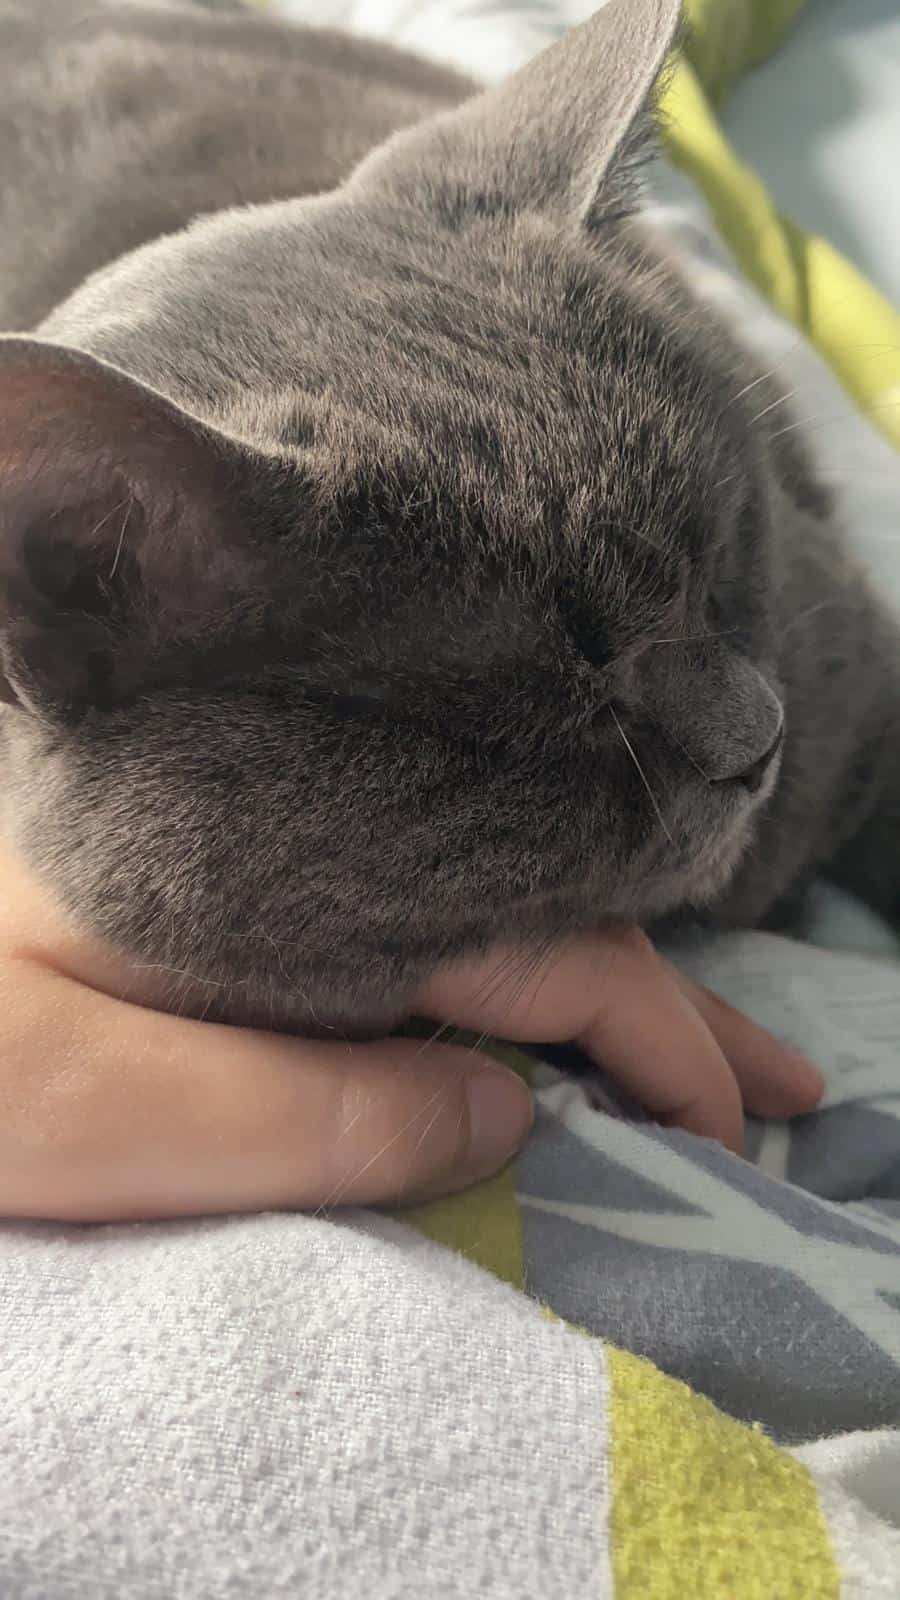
(703, 1505)
(852, 325)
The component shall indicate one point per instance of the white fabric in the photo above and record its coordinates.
(275, 1406)
(257, 1408)
(867, 1554)
(867, 1465)
(268, 1407)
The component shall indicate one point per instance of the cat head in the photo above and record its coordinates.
(388, 572)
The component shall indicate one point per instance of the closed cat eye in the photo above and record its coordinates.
(363, 704)
(585, 629)
(355, 701)
(728, 617)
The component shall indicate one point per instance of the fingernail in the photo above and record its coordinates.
(803, 1064)
(813, 1079)
(500, 1115)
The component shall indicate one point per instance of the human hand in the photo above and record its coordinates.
(110, 1110)
(687, 1056)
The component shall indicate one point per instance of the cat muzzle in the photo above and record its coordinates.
(753, 777)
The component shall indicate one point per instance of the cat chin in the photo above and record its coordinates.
(717, 866)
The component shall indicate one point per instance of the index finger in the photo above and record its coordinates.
(611, 993)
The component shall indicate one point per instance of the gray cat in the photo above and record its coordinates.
(394, 559)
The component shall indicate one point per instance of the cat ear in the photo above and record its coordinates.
(548, 137)
(122, 528)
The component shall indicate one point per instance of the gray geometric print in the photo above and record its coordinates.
(771, 1284)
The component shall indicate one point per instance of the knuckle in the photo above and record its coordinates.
(389, 1124)
(623, 949)
(635, 942)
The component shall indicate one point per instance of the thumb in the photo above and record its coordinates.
(112, 1110)
(138, 1113)
(415, 1120)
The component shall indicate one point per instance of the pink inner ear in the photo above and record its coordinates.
(50, 396)
(54, 399)
(120, 524)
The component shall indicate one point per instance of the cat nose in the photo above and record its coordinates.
(753, 776)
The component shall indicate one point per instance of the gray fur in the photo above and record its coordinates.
(348, 538)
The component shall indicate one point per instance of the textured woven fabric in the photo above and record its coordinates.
(279, 1406)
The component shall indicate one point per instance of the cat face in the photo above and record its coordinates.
(388, 573)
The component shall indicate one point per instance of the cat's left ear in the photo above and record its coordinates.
(553, 138)
(125, 530)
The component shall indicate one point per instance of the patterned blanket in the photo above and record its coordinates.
(285, 1406)
(774, 1286)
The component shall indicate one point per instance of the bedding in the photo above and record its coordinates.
(816, 121)
(631, 1363)
(652, 1239)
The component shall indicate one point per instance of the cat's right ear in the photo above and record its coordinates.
(125, 530)
(554, 138)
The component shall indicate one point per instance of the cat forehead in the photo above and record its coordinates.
(509, 370)
(335, 296)
(514, 343)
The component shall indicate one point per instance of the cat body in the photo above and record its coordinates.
(395, 555)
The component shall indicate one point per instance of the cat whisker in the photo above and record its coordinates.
(685, 752)
(851, 473)
(811, 611)
(111, 513)
(543, 951)
(440, 1096)
(644, 779)
(293, 986)
(844, 416)
(549, 957)
(510, 964)
(433, 1119)
(424, 1135)
(624, 527)
(349, 1126)
(692, 638)
(782, 398)
(113, 568)
(824, 320)
(754, 382)
(192, 977)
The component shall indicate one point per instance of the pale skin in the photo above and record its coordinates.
(111, 1110)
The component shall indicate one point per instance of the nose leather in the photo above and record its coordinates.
(753, 776)
(718, 705)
